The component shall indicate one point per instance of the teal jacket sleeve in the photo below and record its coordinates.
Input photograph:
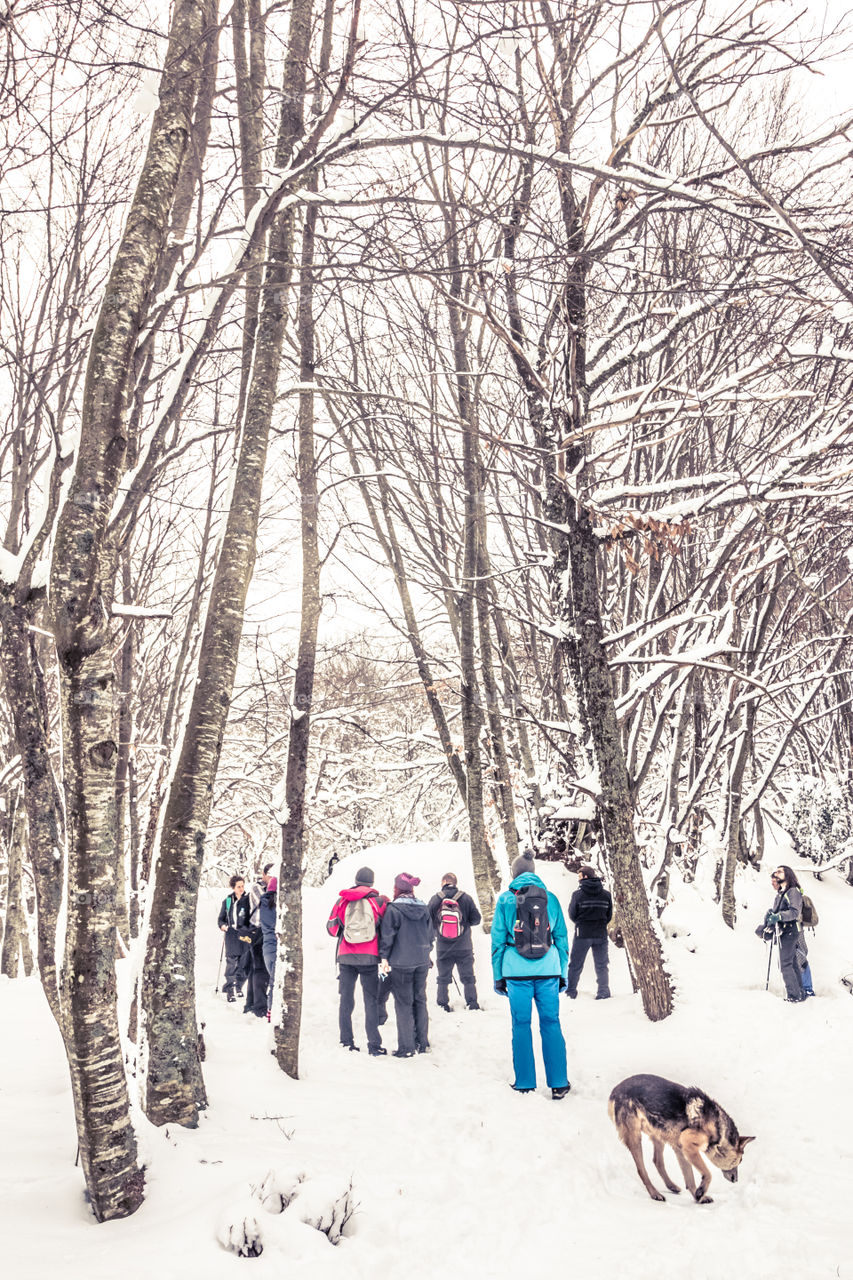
(559, 932)
(500, 938)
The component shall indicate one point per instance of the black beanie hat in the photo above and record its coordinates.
(364, 876)
(524, 862)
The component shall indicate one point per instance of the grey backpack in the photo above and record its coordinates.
(359, 921)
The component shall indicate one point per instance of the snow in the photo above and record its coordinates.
(437, 1157)
(146, 100)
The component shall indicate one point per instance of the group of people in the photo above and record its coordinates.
(387, 945)
(249, 945)
(783, 924)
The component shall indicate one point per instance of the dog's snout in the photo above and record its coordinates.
(731, 1174)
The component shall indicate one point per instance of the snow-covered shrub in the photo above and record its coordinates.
(819, 818)
(276, 1190)
(277, 1205)
(323, 1204)
(239, 1232)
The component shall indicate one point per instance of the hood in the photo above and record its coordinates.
(272, 885)
(591, 888)
(526, 878)
(359, 891)
(410, 906)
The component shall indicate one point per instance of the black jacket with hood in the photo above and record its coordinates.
(406, 933)
(591, 909)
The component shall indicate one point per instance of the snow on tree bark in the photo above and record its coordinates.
(174, 1086)
(82, 575)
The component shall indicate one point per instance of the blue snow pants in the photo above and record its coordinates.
(545, 992)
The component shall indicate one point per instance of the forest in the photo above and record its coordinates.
(422, 420)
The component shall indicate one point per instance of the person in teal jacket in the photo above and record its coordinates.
(536, 980)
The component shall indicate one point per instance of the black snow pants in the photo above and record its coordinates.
(408, 987)
(448, 958)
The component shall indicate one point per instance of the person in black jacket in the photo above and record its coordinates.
(234, 919)
(405, 941)
(453, 913)
(591, 910)
(784, 920)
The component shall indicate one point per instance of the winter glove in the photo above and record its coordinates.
(773, 917)
(384, 968)
(500, 986)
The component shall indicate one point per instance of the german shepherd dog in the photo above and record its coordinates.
(685, 1118)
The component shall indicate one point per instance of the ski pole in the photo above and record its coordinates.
(769, 961)
(219, 970)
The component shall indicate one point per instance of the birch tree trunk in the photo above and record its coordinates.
(81, 587)
(42, 801)
(288, 1001)
(486, 875)
(14, 924)
(174, 1086)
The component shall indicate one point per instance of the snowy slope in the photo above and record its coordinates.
(450, 1172)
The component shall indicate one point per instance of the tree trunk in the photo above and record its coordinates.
(287, 1004)
(584, 653)
(174, 1087)
(82, 581)
(24, 680)
(486, 874)
(15, 922)
(289, 925)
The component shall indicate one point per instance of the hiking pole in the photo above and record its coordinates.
(219, 970)
(769, 961)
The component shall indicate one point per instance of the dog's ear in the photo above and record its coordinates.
(741, 1143)
(694, 1111)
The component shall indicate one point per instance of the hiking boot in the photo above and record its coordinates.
(557, 1094)
(448, 1008)
(474, 1005)
(573, 995)
(231, 998)
(377, 1051)
(239, 993)
(347, 1044)
(515, 1089)
(403, 1053)
(423, 1048)
(604, 996)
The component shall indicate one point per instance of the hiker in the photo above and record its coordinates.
(784, 919)
(234, 919)
(530, 952)
(405, 942)
(453, 913)
(257, 978)
(267, 920)
(355, 921)
(591, 910)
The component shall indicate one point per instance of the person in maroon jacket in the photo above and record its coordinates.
(355, 923)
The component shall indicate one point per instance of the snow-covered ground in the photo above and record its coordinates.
(449, 1172)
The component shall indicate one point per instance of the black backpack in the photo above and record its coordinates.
(809, 916)
(532, 929)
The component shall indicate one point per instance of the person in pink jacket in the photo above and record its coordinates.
(354, 921)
